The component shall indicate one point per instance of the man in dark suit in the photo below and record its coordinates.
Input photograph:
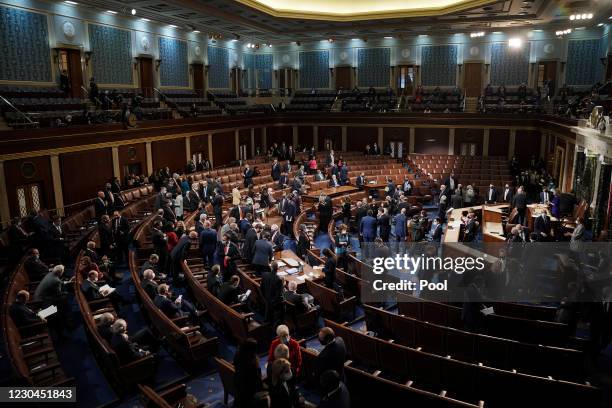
(35, 268)
(508, 194)
(520, 203)
(276, 170)
(367, 229)
(335, 393)
(100, 206)
(491, 196)
(174, 308)
(444, 191)
(333, 354)
(360, 181)
(217, 203)
(127, 350)
(160, 242)
(251, 236)
(384, 224)
(19, 311)
(470, 231)
(148, 283)
(400, 226)
(179, 252)
(545, 196)
(289, 217)
(248, 176)
(230, 290)
(272, 291)
(277, 239)
(121, 233)
(436, 235)
(263, 254)
(283, 181)
(207, 243)
(543, 227)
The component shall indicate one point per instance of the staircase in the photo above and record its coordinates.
(471, 104)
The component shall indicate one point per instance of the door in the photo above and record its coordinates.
(473, 79)
(547, 71)
(405, 79)
(343, 78)
(70, 63)
(146, 76)
(198, 79)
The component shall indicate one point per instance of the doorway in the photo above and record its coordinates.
(343, 78)
(405, 79)
(146, 76)
(547, 70)
(198, 79)
(70, 62)
(473, 79)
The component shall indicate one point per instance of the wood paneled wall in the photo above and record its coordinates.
(330, 132)
(259, 140)
(132, 154)
(527, 144)
(305, 135)
(396, 135)
(244, 138)
(85, 173)
(358, 137)
(431, 141)
(280, 134)
(224, 148)
(499, 140)
(169, 153)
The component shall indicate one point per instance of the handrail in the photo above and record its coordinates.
(6, 101)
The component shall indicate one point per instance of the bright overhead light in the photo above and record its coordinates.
(388, 38)
(515, 43)
(72, 3)
(478, 34)
(196, 31)
(331, 40)
(600, 25)
(583, 16)
(111, 12)
(423, 35)
(496, 32)
(133, 12)
(269, 45)
(234, 40)
(354, 39)
(144, 19)
(538, 31)
(590, 16)
(572, 17)
(172, 26)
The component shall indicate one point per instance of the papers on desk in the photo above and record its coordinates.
(43, 314)
(291, 262)
(106, 290)
(281, 273)
(300, 278)
(292, 271)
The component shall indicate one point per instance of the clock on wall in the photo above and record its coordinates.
(68, 29)
(197, 50)
(145, 43)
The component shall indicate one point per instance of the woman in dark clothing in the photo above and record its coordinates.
(283, 393)
(330, 268)
(303, 244)
(325, 213)
(247, 377)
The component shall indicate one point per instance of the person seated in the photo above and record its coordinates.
(229, 292)
(21, 313)
(92, 291)
(295, 354)
(153, 264)
(213, 280)
(104, 325)
(149, 284)
(34, 266)
(303, 302)
(174, 308)
(335, 393)
(126, 348)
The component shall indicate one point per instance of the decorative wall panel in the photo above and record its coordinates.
(219, 71)
(173, 70)
(509, 66)
(24, 46)
(439, 65)
(373, 67)
(314, 69)
(111, 59)
(583, 65)
(262, 63)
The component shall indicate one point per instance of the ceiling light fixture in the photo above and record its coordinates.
(600, 25)
(133, 12)
(145, 19)
(196, 31)
(172, 26)
(72, 3)
(111, 12)
(388, 38)
(478, 34)
(563, 32)
(331, 40)
(515, 43)
(583, 16)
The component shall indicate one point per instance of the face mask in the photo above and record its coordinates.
(286, 376)
(285, 339)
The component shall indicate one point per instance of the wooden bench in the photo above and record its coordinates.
(174, 396)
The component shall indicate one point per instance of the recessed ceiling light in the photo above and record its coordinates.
(196, 31)
(354, 39)
(172, 26)
(234, 40)
(496, 32)
(388, 38)
(423, 35)
(144, 19)
(600, 25)
(538, 31)
(579, 28)
(133, 12)
(72, 3)
(111, 12)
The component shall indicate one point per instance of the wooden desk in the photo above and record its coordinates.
(378, 187)
(308, 272)
(313, 196)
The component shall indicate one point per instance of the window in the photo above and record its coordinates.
(467, 149)
(29, 197)
(406, 76)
